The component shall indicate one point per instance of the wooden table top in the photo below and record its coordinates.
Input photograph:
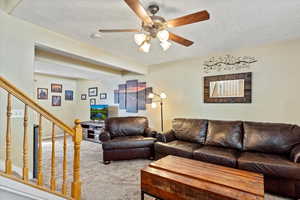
(210, 177)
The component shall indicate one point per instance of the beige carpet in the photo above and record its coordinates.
(117, 181)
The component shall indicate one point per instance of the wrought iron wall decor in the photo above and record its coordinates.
(227, 63)
(132, 96)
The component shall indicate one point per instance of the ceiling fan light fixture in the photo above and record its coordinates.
(165, 45)
(139, 38)
(163, 35)
(95, 35)
(145, 47)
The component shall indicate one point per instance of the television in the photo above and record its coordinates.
(99, 112)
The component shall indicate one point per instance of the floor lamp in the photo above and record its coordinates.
(160, 97)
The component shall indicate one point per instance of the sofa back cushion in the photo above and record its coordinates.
(270, 137)
(126, 126)
(225, 134)
(191, 130)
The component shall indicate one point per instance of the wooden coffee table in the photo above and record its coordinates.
(176, 178)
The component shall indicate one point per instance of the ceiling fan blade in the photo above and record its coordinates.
(136, 6)
(188, 19)
(118, 30)
(180, 40)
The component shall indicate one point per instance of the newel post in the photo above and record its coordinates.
(76, 184)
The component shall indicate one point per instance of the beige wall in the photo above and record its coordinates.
(65, 112)
(275, 87)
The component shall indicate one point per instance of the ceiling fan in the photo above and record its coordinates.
(156, 26)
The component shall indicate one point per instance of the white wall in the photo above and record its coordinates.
(275, 87)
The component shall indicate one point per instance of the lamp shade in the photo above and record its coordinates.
(145, 47)
(151, 96)
(163, 96)
(163, 35)
(139, 38)
(165, 45)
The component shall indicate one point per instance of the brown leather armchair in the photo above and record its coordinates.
(127, 138)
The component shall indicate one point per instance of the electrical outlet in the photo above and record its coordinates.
(16, 113)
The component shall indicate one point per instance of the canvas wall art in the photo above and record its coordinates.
(131, 96)
(142, 96)
(122, 96)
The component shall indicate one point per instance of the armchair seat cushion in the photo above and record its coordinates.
(269, 165)
(128, 142)
(177, 148)
(217, 155)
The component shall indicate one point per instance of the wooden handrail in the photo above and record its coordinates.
(75, 132)
(35, 106)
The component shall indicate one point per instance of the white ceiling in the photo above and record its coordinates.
(233, 24)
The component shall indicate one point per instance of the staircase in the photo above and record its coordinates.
(38, 183)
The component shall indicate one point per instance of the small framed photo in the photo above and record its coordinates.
(103, 96)
(42, 93)
(83, 97)
(69, 95)
(56, 100)
(93, 92)
(56, 88)
(92, 101)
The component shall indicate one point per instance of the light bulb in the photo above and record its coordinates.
(145, 47)
(139, 38)
(151, 96)
(165, 45)
(163, 35)
(153, 105)
(95, 35)
(163, 96)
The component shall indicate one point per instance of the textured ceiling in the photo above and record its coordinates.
(233, 24)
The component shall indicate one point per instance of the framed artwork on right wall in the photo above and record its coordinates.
(229, 88)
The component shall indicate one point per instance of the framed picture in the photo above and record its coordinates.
(92, 101)
(103, 96)
(57, 88)
(83, 97)
(93, 92)
(229, 88)
(69, 95)
(56, 100)
(42, 93)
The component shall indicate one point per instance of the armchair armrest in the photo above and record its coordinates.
(149, 132)
(104, 136)
(295, 154)
(166, 137)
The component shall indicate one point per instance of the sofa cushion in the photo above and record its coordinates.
(126, 126)
(225, 134)
(176, 148)
(270, 137)
(191, 130)
(217, 155)
(128, 142)
(269, 165)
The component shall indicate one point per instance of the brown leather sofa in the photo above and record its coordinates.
(127, 138)
(268, 148)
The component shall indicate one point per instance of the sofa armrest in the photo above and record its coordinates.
(166, 137)
(104, 136)
(295, 154)
(149, 132)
